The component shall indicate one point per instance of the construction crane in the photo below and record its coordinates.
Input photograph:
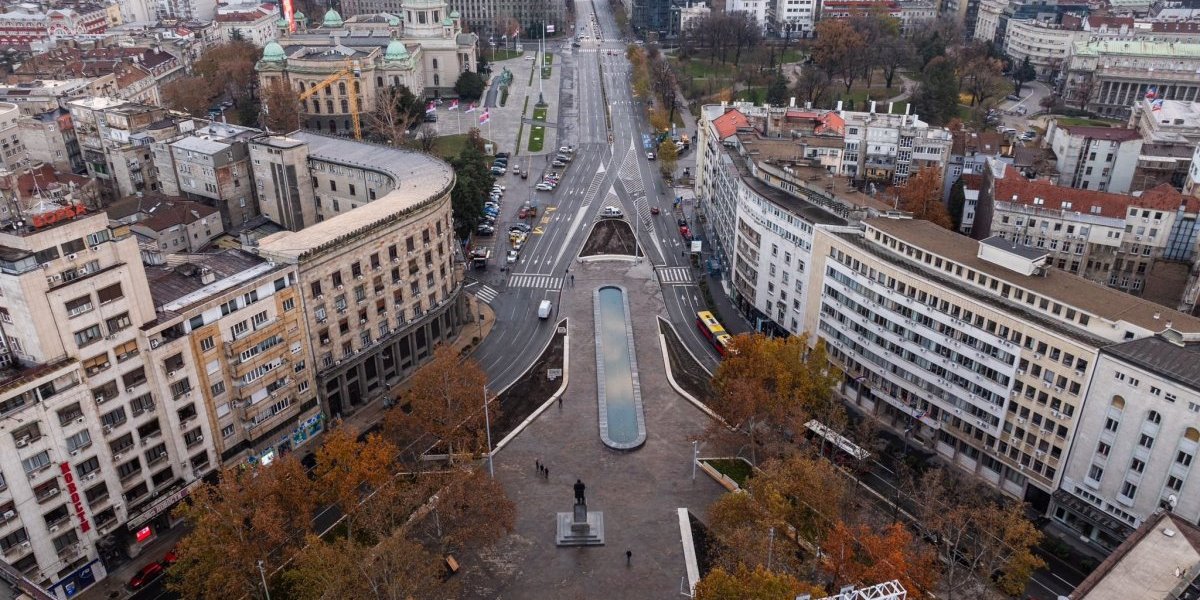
(350, 74)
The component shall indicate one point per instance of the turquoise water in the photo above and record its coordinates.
(618, 367)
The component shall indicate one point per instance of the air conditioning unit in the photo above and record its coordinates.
(1039, 454)
(53, 528)
(199, 438)
(108, 429)
(145, 441)
(117, 456)
(359, 277)
(361, 321)
(320, 296)
(21, 443)
(74, 453)
(1036, 355)
(1020, 421)
(95, 248)
(128, 390)
(154, 343)
(337, 362)
(9, 515)
(100, 398)
(170, 373)
(25, 544)
(1055, 413)
(72, 256)
(341, 287)
(396, 261)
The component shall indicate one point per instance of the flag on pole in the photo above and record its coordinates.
(430, 108)
(453, 105)
(471, 107)
(290, 14)
(1152, 92)
(485, 117)
(1156, 105)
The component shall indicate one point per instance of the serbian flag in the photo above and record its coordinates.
(1152, 92)
(471, 107)
(1156, 105)
(430, 108)
(453, 105)
(485, 117)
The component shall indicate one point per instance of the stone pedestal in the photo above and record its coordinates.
(580, 527)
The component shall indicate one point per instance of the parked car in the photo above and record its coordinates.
(654, 210)
(558, 163)
(519, 227)
(650, 156)
(511, 257)
(682, 222)
(485, 230)
(1013, 97)
(503, 155)
(525, 174)
(146, 575)
(566, 149)
(544, 187)
(685, 233)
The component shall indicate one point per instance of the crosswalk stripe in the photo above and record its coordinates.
(486, 294)
(535, 281)
(675, 275)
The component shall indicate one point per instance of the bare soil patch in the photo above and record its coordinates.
(610, 236)
(533, 390)
(687, 372)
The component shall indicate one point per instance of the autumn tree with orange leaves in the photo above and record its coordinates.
(347, 469)
(444, 401)
(921, 195)
(858, 554)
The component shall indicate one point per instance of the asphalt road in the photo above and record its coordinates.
(602, 174)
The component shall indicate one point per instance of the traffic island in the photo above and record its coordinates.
(685, 369)
(610, 237)
(537, 133)
(535, 389)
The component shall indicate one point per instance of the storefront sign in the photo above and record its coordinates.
(145, 533)
(161, 505)
(73, 494)
(65, 213)
(79, 580)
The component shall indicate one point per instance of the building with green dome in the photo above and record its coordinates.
(491, 18)
(421, 46)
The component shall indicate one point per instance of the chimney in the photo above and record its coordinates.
(872, 107)
(1157, 315)
(907, 108)
(839, 107)
(808, 105)
(792, 102)
(724, 105)
(890, 107)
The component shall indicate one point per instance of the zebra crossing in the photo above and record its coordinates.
(631, 176)
(549, 282)
(675, 275)
(483, 292)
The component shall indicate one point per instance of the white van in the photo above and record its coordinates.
(544, 309)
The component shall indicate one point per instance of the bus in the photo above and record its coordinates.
(713, 331)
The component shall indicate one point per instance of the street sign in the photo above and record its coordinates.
(696, 245)
(553, 374)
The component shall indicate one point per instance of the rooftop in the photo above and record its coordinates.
(1026, 252)
(1015, 188)
(418, 178)
(1112, 134)
(1072, 290)
(1159, 355)
(158, 212)
(728, 123)
(1157, 562)
(971, 142)
(1135, 47)
(176, 287)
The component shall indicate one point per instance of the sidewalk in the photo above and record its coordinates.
(113, 586)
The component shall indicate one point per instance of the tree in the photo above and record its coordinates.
(921, 195)
(837, 49)
(190, 95)
(470, 86)
(279, 108)
(986, 537)
(894, 53)
(251, 514)
(767, 384)
(471, 511)
(856, 554)
(426, 139)
(981, 75)
(445, 397)
(396, 110)
(937, 97)
(802, 494)
(348, 469)
(668, 156)
(777, 93)
(812, 85)
(957, 202)
(747, 584)
(397, 568)
(473, 180)
(1024, 73)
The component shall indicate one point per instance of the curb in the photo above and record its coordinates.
(662, 344)
(553, 397)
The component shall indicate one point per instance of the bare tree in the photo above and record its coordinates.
(393, 114)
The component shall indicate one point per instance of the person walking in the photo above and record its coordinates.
(628, 557)
(538, 463)
(546, 472)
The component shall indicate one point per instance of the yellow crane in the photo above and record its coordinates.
(350, 74)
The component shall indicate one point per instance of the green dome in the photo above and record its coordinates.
(333, 19)
(282, 22)
(273, 52)
(447, 22)
(454, 14)
(393, 21)
(395, 51)
(299, 16)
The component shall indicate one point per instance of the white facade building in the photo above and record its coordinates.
(797, 17)
(1046, 45)
(756, 10)
(253, 22)
(1136, 444)
(1095, 158)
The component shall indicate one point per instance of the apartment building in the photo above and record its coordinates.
(379, 285)
(12, 148)
(980, 351)
(969, 154)
(254, 22)
(169, 224)
(1135, 445)
(795, 18)
(1046, 45)
(886, 148)
(755, 10)
(1171, 131)
(90, 461)
(232, 344)
(1094, 158)
(113, 152)
(304, 178)
(211, 164)
(49, 137)
(1112, 239)
(1107, 76)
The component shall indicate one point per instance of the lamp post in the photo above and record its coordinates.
(504, 38)
(263, 574)
(487, 422)
(492, 43)
(479, 322)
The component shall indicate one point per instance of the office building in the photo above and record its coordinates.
(1108, 76)
(254, 22)
(1094, 158)
(1161, 560)
(210, 164)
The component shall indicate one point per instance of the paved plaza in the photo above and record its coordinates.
(638, 491)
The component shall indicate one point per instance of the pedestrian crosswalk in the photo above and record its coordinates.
(675, 275)
(549, 282)
(484, 293)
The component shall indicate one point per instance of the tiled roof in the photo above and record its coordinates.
(1115, 134)
(728, 123)
(1096, 21)
(972, 181)
(969, 141)
(1015, 188)
(1175, 26)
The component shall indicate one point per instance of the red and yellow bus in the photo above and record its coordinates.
(712, 329)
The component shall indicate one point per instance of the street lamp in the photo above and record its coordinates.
(487, 422)
(480, 324)
(492, 42)
(263, 573)
(504, 38)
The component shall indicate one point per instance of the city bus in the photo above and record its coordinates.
(713, 331)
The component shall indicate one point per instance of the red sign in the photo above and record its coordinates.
(144, 534)
(63, 214)
(76, 501)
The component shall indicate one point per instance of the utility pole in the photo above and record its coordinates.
(695, 457)
(770, 546)
(487, 421)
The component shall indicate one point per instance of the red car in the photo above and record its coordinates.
(148, 573)
(685, 233)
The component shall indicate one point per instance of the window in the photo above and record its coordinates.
(114, 417)
(227, 431)
(1129, 490)
(110, 293)
(217, 388)
(1103, 449)
(1137, 466)
(118, 322)
(1174, 483)
(80, 440)
(79, 306)
(289, 304)
(1154, 417)
(1146, 441)
(87, 336)
(1096, 473)
(1184, 458)
(130, 468)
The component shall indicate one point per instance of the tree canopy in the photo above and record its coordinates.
(921, 195)
(470, 86)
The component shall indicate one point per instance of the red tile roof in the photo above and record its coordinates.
(1015, 188)
(728, 123)
(972, 181)
(1096, 21)
(1175, 26)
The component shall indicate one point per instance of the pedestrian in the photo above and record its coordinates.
(560, 403)
(546, 472)
(538, 462)
(628, 557)
(572, 280)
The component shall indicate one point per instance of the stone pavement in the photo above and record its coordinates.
(638, 491)
(505, 120)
